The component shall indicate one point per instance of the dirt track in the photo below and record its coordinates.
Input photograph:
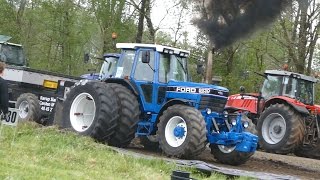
(278, 164)
(302, 168)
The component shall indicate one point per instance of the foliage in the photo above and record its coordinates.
(56, 34)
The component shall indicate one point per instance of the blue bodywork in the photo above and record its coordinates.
(91, 76)
(200, 96)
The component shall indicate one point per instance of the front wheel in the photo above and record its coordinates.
(182, 132)
(228, 155)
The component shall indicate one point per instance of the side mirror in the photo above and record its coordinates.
(242, 90)
(86, 58)
(146, 57)
(200, 69)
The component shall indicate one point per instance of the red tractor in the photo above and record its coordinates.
(286, 118)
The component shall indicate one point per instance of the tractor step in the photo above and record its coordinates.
(144, 128)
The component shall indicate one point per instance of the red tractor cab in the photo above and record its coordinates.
(284, 112)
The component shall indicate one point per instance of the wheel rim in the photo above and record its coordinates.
(24, 109)
(226, 149)
(176, 131)
(82, 112)
(274, 128)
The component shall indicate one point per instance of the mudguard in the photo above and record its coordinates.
(297, 105)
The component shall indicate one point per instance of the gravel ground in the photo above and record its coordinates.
(301, 168)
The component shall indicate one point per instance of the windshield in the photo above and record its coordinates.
(271, 86)
(108, 67)
(124, 69)
(12, 54)
(299, 89)
(172, 67)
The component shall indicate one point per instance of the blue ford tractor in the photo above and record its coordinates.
(150, 96)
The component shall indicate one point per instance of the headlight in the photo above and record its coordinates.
(225, 114)
(234, 122)
(246, 124)
(209, 111)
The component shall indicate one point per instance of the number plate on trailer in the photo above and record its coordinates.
(13, 117)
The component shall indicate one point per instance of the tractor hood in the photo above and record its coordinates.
(197, 88)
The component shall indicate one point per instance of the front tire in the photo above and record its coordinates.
(281, 129)
(228, 155)
(91, 110)
(182, 132)
(29, 107)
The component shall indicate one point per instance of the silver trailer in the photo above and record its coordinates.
(33, 92)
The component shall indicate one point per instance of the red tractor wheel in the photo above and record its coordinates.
(309, 151)
(281, 129)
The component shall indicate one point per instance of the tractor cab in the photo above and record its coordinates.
(288, 84)
(109, 65)
(12, 54)
(107, 69)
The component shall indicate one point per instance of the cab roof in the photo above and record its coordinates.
(115, 55)
(287, 73)
(11, 44)
(159, 48)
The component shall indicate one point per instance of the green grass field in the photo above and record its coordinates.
(47, 153)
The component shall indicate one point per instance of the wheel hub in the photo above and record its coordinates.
(277, 129)
(82, 112)
(179, 131)
(24, 109)
(176, 131)
(273, 128)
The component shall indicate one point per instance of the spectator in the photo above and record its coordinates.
(4, 95)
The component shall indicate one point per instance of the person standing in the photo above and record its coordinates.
(4, 95)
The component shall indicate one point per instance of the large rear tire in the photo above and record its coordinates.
(309, 151)
(29, 107)
(91, 110)
(281, 129)
(129, 113)
(182, 132)
(228, 155)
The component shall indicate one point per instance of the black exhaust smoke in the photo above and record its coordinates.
(226, 21)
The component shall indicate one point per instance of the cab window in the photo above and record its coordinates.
(143, 71)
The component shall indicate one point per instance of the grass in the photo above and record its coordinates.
(47, 153)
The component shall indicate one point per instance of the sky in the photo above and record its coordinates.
(166, 17)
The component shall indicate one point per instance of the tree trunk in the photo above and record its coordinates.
(141, 21)
(152, 31)
(209, 66)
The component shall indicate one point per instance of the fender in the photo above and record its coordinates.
(124, 82)
(172, 102)
(297, 105)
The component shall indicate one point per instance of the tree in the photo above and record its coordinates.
(300, 27)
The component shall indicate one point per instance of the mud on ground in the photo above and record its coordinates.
(302, 168)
